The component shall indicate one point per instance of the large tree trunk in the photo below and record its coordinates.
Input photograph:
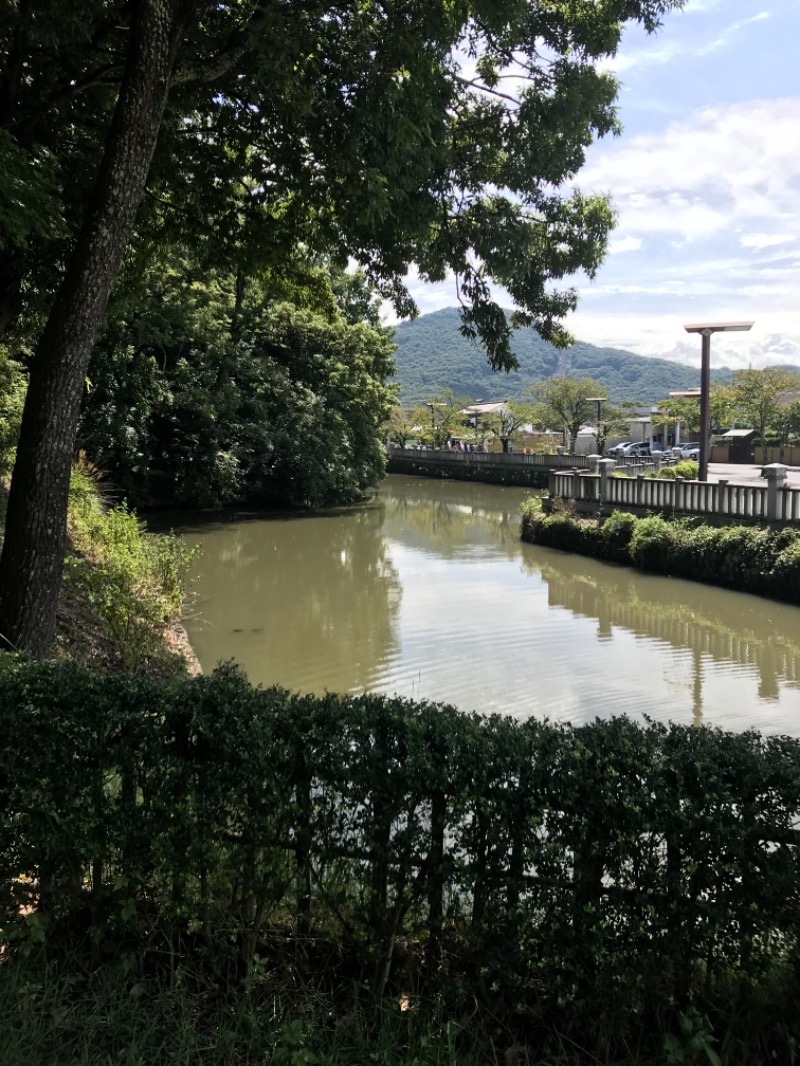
(33, 552)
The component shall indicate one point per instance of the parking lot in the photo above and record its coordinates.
(741, 474)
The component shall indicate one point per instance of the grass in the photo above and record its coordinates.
(57, 1014)
(123, 587)
(52, 1018)
(133, 582)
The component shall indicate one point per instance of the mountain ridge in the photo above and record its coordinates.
(432, 355)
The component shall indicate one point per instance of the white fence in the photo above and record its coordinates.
(775, 501)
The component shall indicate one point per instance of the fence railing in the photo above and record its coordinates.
(454, 455)
(775, 501)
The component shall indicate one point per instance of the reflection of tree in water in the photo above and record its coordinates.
(449, 518)
(727, 626)
(299, 597)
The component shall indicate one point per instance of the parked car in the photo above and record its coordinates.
(618, 450)
(634, 451)
(690, 451)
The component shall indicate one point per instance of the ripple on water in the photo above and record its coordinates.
(430, 594)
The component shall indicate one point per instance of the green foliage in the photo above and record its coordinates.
(562, 530)
(59, 1014)
(29, 200)
(441, 418)
(695, 1039)
(134, 580)
(653, 545)
(562, 403)
(610, 870)
(761, 560)
(13, 385)
(212, 392)
(503, 425)
(431, 354)
(755, 395)
(686, 468)
(343, 131)
(616, 533)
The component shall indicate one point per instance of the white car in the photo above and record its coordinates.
(690, 451)
(618, 450)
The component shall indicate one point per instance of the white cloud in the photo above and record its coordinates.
(624, 244)
(697, 7)
(765, 240)
(774, 338)
(680, 45)
(724, 179)
(726, 36)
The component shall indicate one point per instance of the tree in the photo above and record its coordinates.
(786, 422)
(564, 402)
(613, 420)
(403, 424)
(445, 411)
(211, 391)
(755, 395)
(351, 127)
(504, 423)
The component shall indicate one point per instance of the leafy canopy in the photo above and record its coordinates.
(212, 388)
(437, 134)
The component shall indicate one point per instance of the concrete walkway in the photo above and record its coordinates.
(741, 474)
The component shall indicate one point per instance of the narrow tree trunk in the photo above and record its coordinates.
(33, 552)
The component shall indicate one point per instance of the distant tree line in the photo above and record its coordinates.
(766, 400)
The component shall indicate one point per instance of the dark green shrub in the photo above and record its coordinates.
(785, 575)
(561, 530)
(654, 544)
(762, 560)
(613, 867)
(615, 536)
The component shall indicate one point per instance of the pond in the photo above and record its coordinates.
(427, 591)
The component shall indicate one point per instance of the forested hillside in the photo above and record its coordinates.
(432, 355)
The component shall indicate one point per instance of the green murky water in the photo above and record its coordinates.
(427, 591)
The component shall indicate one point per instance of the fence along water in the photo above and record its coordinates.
(593, 489)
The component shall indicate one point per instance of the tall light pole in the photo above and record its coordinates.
(705, 329)
(599, 400)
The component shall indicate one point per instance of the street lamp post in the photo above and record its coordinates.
(705, 329)
(599, 400)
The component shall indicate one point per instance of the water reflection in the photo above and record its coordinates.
(447, 519)
(319, 590)
(729, 627)
(428, 591)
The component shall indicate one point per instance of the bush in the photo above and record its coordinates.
(762, 560)
(686, 468)
(612, 867)
(653, 545)
(134, 580)
(615, 536)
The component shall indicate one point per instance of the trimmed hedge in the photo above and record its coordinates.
(761, 560)
(522, 862)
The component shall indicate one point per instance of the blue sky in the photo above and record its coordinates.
(706, 183)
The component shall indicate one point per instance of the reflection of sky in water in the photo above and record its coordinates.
(430, 593)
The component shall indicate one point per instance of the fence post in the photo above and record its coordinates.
(606, 466)
(723, 498)
(775, 474)
(594, 463)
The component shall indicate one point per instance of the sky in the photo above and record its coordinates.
(705, 180)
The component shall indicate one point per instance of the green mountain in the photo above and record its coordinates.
(432, 355)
